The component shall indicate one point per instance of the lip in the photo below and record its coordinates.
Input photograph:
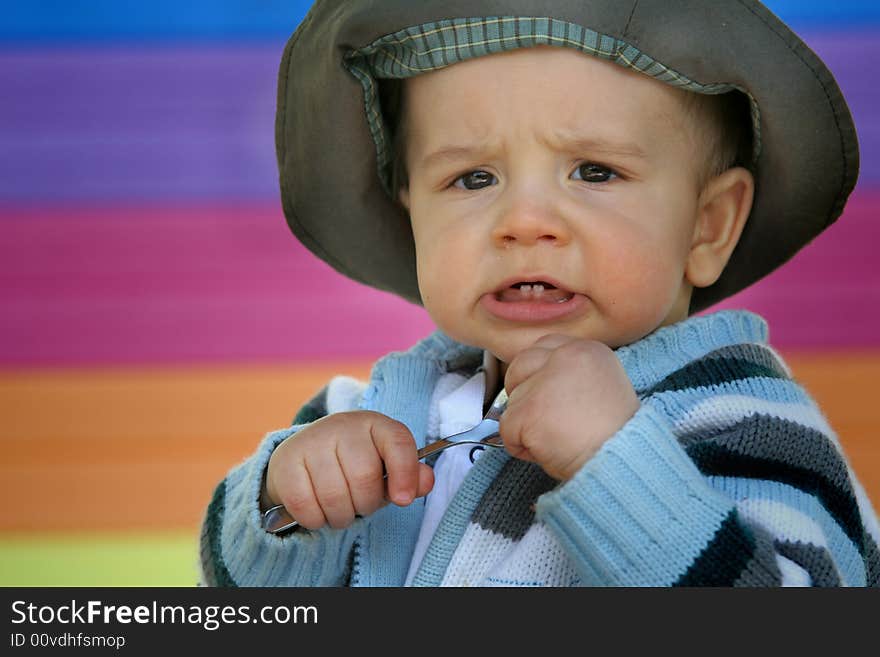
(530, 312)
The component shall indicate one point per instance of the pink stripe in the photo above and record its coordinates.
(141, 285)
(123, 285)
(828, 295)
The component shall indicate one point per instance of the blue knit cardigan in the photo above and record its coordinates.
(727, 475)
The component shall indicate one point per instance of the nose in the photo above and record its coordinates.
(529, 218)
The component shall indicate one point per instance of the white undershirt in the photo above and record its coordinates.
(456, 405)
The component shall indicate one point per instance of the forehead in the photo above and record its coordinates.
(557, 88)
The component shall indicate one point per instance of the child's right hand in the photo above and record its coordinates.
(333, 470)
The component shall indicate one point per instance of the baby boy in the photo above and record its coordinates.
(567, 208)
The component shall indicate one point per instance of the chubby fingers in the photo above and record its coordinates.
(362, 470)
(396, 447)
(298, 495)
(350, 480)
(334, 470)
(332, 492)
(532, 359)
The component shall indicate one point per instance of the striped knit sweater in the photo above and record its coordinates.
(728, 475)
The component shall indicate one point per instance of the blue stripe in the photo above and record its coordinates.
(846, 553)
(619, 543)
(455, 522)
(273, 20)
(54, 21)
(678, 403)
(799, 13)
(713, 459)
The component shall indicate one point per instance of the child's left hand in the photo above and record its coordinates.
(567, 396)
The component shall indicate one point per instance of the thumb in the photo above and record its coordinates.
(426, 480)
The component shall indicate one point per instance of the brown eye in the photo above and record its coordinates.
(593, 173)
(475, 180)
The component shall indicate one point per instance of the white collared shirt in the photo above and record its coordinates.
(456, 405)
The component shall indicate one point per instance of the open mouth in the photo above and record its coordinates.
(533, 292)
(538, 300)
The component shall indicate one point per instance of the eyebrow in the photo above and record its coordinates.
(599, 145)
(450, 153)
(581, 144)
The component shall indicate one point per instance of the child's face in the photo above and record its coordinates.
(547, 165)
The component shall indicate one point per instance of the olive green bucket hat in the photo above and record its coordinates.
(334, 144)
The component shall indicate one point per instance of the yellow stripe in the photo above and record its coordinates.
(119, 559)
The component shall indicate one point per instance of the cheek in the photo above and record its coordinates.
(440, 274)
(442, 302)
(642, 272)
(447, 256)
(654, 242)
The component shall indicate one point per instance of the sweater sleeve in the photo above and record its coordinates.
(234, 548)
(760, 501)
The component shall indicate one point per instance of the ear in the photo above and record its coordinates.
(724, 207)
(403, 197)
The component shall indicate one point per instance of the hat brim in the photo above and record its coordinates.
(331, 188)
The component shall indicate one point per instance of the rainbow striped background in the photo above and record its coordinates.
(156, 317)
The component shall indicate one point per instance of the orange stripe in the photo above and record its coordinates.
(844, 384)
(127, 449)
(133, 449)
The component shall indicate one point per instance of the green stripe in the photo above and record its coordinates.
(212, 553)
(715, 372)
(312, 410)
(872, 559)
(724, 461)
(817, 561)
(507, 506)
(427, 47)
(723, 560)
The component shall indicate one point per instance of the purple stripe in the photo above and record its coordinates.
(169, 123)
(852, 56)
(157, 285)
(138, 123)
